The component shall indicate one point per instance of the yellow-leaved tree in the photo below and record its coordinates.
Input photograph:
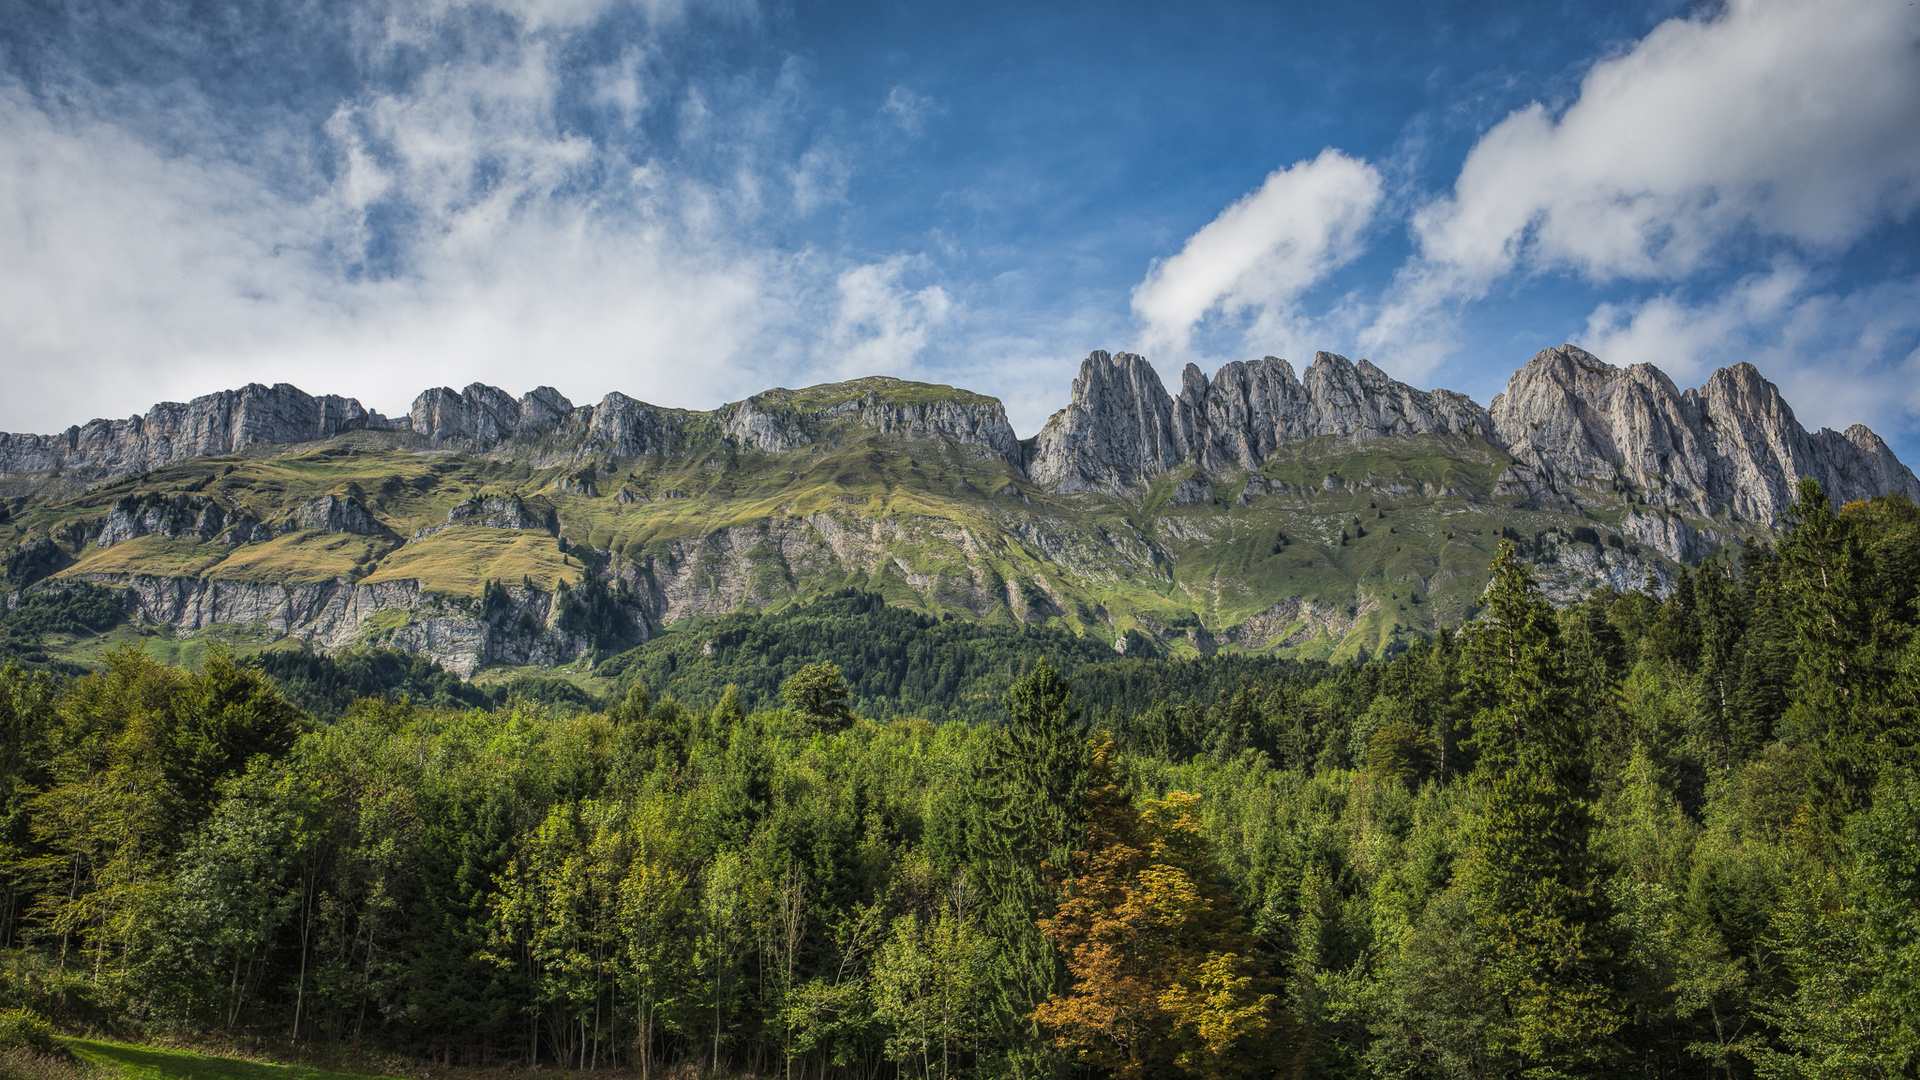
(1161, 979)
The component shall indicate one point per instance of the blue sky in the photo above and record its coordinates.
(691, 201)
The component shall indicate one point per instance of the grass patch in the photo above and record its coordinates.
(461, 560)
(157, 555)
(163, 645)
(302, 558)
(157, 1063)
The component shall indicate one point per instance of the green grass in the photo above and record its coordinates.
(149, 555)
(302, 558)
(461, 560)
(156, 1063)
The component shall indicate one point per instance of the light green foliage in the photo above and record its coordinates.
(1851, 938)
(166, 1063)
(931, 989)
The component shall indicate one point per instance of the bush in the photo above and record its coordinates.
(24, 1029)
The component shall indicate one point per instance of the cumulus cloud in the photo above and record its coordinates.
(1261, 253)
(1777, 122)
(880, 325)
(1778, 117)
(1840, 356)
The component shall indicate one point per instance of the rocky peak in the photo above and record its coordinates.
(1121, 429)
(483, 414)
(1116, 432)
(227, 422)
(1582, 430)
(621, 426)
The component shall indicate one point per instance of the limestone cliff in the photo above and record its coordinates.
(224, 423)
(1586, 431)
(1121, 428)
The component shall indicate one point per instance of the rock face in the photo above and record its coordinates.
(519, 627)
(223, 423)
(332, 514)
(497, 512)
(482, 415)
(1580, 429)
(190, 516)
(1118, 431)
(1122, 429)
(1580, 433)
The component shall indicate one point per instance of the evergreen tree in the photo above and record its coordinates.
(1530, 877)
(1029, 795)
(1848, 631)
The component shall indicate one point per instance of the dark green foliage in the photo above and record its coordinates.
(1026, 814)
(326, 687)
(607, 616)
(896, 662)
(818, 693)
(33, 560)
(67, 609)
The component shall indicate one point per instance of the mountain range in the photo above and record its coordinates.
(1326, 512)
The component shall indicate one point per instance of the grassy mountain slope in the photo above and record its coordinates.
(1335, 548)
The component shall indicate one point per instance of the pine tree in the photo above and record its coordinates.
(1764, 657)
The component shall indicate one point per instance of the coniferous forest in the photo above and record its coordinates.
(1671, 832)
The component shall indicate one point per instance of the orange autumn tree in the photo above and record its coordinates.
(1160, 977)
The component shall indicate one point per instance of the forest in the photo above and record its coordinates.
(1673, 831)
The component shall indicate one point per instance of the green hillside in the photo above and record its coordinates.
(1335, 549)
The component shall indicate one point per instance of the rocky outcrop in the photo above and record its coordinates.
(224, 423)
(332, 514)
(1239, 418)
(1121, 428)
(515, 625)
(498, 512)
(197, 517)
(622, 427)
(968, 423)
(1585, 431)
(1117, 431)
(482, 415)
(135, 516)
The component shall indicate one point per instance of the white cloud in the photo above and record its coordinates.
(881, 326)
(820, 179)
(1783, 122)
(463, 233)
(1261, 253)
(1840, 357)
(1787, 119)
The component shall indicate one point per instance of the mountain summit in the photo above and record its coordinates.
(1325, 513)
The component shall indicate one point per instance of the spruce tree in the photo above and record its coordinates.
(1529, 876)
(1030, 796)
(1840, 702)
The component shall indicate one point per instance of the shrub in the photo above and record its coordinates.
(24, 1029)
